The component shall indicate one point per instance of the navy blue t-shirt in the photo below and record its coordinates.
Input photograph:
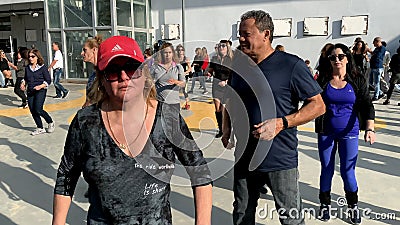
(280, 81)
(377, 57)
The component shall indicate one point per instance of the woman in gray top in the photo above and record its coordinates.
(168, 76)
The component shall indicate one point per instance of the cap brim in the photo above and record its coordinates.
(102, 67)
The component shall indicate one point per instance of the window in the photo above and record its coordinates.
(54, 16)
(103, 12)
(78, 13)
(76, 67)
(124, 17)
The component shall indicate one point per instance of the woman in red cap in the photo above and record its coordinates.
(126, 144)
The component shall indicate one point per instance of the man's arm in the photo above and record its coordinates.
(312, 108)
(52, 64)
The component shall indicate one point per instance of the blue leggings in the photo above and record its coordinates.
(348, 152)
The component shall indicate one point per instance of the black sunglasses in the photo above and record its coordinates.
(222, 45)
(333, 57)
(113, 72)
(32, 56)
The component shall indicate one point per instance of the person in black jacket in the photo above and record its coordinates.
(36, 81)
(395, 79)
(348, 110)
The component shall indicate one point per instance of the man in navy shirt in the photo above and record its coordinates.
(376, 64)
(267, 87)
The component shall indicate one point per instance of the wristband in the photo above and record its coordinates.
(285, 123)
(370, 130)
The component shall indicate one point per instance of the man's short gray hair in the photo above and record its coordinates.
(263, 21)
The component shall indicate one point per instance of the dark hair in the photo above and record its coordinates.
(262, 19)
(351, 68)
(363, 47)
(384, 43)
(148, 51)
(160, 56)
(307, 61)
(398, 50)
(40, 60)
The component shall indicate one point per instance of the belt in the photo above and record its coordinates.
(57, 68)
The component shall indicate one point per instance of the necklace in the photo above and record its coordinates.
(121, 145)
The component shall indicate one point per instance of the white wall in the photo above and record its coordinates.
(208, 21)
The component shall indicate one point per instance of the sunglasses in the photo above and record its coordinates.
(113, 72)
(333, 57)
(222, 45)
(32, 56)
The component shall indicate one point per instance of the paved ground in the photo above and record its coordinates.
(28, 166)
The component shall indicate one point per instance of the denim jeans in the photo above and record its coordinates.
(35, 103)
(60, 90)
(284, 186)
(18, 91)
(202, 80)
(376, 76)
(2, 81)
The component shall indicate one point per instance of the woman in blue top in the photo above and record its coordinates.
(36, 81)
(348, 110)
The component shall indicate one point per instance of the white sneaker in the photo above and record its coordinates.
(38, 131)
(51, 127)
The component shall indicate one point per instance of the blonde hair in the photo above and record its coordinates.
(94, 42)
(98, 93)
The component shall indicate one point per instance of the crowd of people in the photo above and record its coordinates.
(131, 118)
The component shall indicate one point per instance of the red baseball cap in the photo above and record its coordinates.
(118, 46)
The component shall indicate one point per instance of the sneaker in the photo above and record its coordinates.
(354, 214)
(23, 105)
(398, 104)
(57, 97)
(205, 92)
(383, 95)
(51, 127)
(264, 189)
(374, 100)
(219, 134)
(65, 94)
(324, 212)
(38, 131)
(186, 107)
(387, 102)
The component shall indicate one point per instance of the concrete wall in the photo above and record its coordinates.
(208, 21)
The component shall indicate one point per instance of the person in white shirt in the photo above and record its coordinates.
(57, 65)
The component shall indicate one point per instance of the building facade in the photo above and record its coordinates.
(194, 23)
(203, 23)
(71, 23)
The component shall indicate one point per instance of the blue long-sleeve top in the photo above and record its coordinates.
(37, 77)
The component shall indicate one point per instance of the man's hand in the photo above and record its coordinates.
(268, 129)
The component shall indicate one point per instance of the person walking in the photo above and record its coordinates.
(89, 54)
(348, 110)
(395, 78)
(198, 72)
(22, 62)
(168, 76)
(36, 82)
(187, 68)
(266, 147)
(5, 69)
(57, 65)
(121, 145)
(376, 64)
(220, 68)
